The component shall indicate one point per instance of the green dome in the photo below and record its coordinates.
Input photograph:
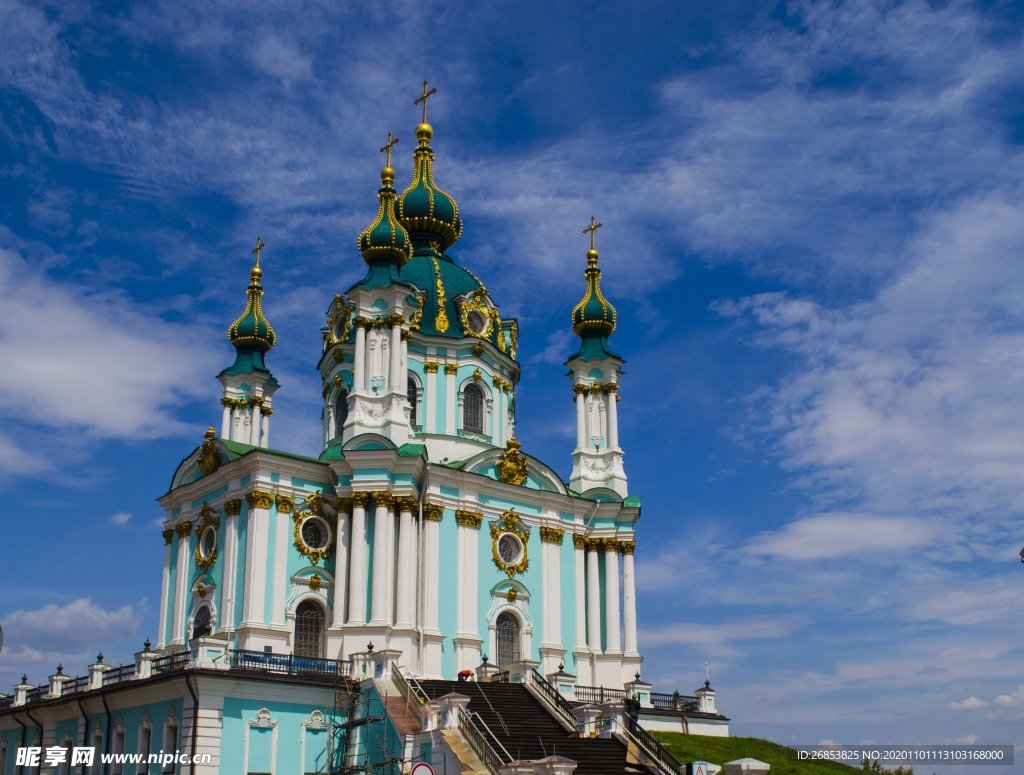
(593, 315)
(385, 240)
(427, 212)
(252, 331)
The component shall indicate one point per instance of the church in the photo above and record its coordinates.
(423, 590)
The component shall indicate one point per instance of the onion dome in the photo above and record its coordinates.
(252, 334)
(428, 213)
(385, 241)
(593, 318)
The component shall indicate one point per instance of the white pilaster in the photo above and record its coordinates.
(430, 400)
(279, 584)
(257, 542)
(225, 423)
(379, 586)
(578, 543)
(184, 531)
(613, 642)
(359, 360)
(406, 561)
(612, 414)
(341, 568)
(265, 438)
(227, 611)
(552, 600)
(396, 374)
(431, 580)
(450, 402)
(467, 597)
(357, 571)
(593, 598)
(165, 594)
(257, 423)
(629, 599)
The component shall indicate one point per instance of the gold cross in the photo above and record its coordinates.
(260, 244)
(593, 227)
(387, 148)
(423, 98)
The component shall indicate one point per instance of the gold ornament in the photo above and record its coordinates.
(209, 458)
(627, 547)
(468, 518)
(432, 512)
(167, 534)
(233, 508)
(285, 504)
(315, 582)
(183, 528)
(509, 522)
(551, 535)
(260, 499)
(511, 464)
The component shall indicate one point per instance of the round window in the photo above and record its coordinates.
(208, 542)
(315, 533)
(510, 549)
(477, 322)
(340, 325)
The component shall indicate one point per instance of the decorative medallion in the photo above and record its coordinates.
(511, 464)
(508, 544)
(314, 536)
(207, 546)
(315, 582)
(209, 457)
(477, 316)
(512, 594)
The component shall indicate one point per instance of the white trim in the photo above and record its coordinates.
(263, 720)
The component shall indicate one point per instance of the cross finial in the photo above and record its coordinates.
(386, 148)
(707, 672)
(423, 98)
(260, 244)
(591, 229)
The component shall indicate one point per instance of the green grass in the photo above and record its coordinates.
(719, 750)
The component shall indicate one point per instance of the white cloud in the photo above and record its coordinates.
(971, 703)
(121, 518)
(1014, 698)
(828, 536)
(720, 639)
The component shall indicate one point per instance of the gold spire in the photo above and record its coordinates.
(424, 131)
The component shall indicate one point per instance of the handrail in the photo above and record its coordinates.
(667, 763)
(409, 687)
(551, 697)
(117, 674)
(170, 662)
(675, 701)
(468, 726)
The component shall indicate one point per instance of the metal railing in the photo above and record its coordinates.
(675, 701)
(38, 693)
(170, 662)
(409, 688)
(476, 732)
(6, 702)
(117, 674)
(76, 685)
(548, 693)
(661, 757)
(599, 694)
(289, 664)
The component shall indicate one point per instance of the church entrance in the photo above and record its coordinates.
(508, 637)
(309, 630)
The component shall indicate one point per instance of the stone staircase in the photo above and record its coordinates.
(526, 728)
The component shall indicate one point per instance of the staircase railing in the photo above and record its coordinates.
(548, 694)
(409, 688)
(663, 760)
(476, 732)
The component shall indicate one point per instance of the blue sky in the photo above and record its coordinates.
(812, 231)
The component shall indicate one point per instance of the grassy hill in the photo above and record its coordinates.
(718, 750)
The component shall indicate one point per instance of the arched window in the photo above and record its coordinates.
(473, 409)
(203, 624)
(309, 630)
(340, 412)
(507, 637)
(411, 392)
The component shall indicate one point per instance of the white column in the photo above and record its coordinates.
(257, 541)
(499, 416)
(280, 525)
(341, 568)
(613, 640)
(581, 421)
(579, 542)
(629, 597)
(467, 608)
(379, 586)
(359, 360)
(612, 415)
(396, 374)
(371, 345)
(593, 598)
(552, 580)
(357, 570)
(165, 593)
(406, 561)
(431, 546)
(184, 530)
(227, 611)
(430, 399)
(257, 424)
(450, 402)
(225, 423)
(265, 438)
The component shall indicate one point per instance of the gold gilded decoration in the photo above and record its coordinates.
(509, 523)
(627, 547)
(422, 99)
(431, 367)
(579, 541)
(260, 499)
(511, 464)
(551, 535)
(314, 502)
(360, 499)
(441, 322)
(285, 504)
(593, 544)
(451, 368)
(395, 319)
(167, 534)
(313, 554)
(478, 349)
(592, 230)
(315, 582)
(207, 518)
(383, 498)
(502, 384)
(512, 594)
(477, 375)
(513, 332)
(476, 302)
(468, 518)
(417, 315)
(201, 590)
(609, 545)
(432, 512)
(610, 387)
(406, 503)
(183, 528)
(209, 458)
(233, 508)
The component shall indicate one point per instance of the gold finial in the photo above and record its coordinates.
(386, 148)
(260, 244)
(423, 98)
(210, 433)
(591, 229)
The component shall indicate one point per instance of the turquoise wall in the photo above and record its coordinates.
(290, 733)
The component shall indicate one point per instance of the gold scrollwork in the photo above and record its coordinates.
(233, 508)
(451, 368)
(417, 316)
(209, 457)
(431, 367)
(432, 512)
(476, 301)
(579, 541)
(183, 528)
(477, 375)
(627, 547)
(360, 499)
(441, 322)
(512, 594)
(383, 498)
(511, 464)
(315, 582)
(509, 522)
(260, 499)
(468, 518)
(478, 349)
(609, 545)
(551, 535)
(338, 322)
(406, 503)
(285, 504)
(513, 345)
(207, 518)
(314, 502)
